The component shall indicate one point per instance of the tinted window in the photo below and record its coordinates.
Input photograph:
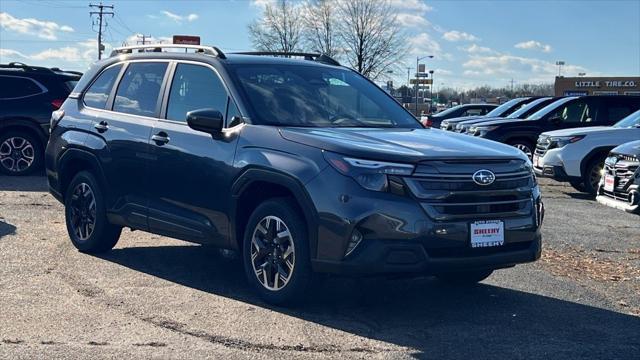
(99, 91)
(195, 87)
(139, 88)
(505, 109)
(574, 112)
(473, 112)
(318, 96)
(632, 120)
(17, 87)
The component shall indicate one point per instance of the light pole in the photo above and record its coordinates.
(417, 71)
(560, 63)
(431, 91)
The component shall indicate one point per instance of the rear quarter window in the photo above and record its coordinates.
(15, 87)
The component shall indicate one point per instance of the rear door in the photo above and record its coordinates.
(191, 171)
(125, 126)
(615, 108)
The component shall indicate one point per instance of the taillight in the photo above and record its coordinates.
(56, 116)
(57, 103)
(427, 122)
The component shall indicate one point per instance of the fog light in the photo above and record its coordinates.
(354, 241)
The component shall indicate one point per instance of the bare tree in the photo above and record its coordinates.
(320, 17)
(279, 29)
(372, 37)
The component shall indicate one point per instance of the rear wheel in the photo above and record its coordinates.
(276, 252)
(464, 277)
(524, 146)
(20, 153)
(592, 174)
(86, 217)
(578, 185)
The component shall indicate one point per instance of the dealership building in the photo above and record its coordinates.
(580, 86)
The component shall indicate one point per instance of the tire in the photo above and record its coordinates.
(464, 277)
(21, 153)
(578, 185)
(293, 268)
(86, 220)
(591, 175)
(523, 145)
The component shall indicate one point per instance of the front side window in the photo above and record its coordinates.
(317, 96)
(195, 87)
(139, 89)
(12, 87)
(573, 112)
(505, 109)
(98, 93)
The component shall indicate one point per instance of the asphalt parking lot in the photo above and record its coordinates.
(153, 297)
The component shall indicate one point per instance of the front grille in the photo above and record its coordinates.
(623, 168)
(447, 191)
(542, 146)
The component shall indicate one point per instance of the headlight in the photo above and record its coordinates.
(444, 125)
(370, 174)
(459, 127)
(562, 141)
(481, 130)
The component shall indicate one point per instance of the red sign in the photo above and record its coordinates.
(186, 39)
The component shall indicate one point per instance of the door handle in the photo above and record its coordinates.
(102, 126)
(160, 138)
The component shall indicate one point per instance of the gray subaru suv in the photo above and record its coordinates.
(301, 165)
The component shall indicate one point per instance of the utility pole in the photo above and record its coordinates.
(100, 14)
(511, 86)
(144, 39)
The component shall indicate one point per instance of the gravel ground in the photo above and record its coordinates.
(154, 297)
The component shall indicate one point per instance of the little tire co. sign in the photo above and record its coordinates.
(579, 86)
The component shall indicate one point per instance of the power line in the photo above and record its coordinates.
(100, 14)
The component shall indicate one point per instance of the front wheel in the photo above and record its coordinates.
(276, 252)
(86, 217)
(525, 146)
(464, 277)
(591, 176)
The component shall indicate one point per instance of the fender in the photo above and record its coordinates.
(36, 127)
(67, 159)
(253, 174)
(587, 158)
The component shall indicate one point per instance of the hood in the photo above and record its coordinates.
(630, 148)
(401, 145)
(583, 131)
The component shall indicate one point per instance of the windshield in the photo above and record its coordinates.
(630, 121)
(317, 96)
(549, 108)
(448, 111)
(504, 109)
(529, 108)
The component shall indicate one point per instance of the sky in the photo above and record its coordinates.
(474, 43)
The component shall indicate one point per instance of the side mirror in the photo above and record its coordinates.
(205, 120)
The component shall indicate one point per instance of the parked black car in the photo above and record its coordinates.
(434, 120)
(501, 111)
(522, 113)
(620, 184)
(569, 112)
(28, 95)
(301, 165)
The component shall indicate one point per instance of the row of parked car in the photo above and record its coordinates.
(569, 139)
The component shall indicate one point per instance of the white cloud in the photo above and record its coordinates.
(409, 5)
(7, 53)
(412, 20)
(455, 35)
(180, 18)
(517, 66)
(29, 26)
(443, 72)
(423, 44)
(262, 3)
(534, 45)
(66, 53)
(477, 49)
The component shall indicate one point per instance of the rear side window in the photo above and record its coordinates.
(473, 112)
(12, 87)
(98, 93)
(195, 87)
(138, 90)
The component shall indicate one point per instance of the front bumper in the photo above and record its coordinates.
(555, 172)
(401, 237)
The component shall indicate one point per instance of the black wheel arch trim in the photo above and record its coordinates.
(592, 155)
(73, 154)
(254, 174)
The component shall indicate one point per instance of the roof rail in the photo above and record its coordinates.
(322, 58)
(207, 50)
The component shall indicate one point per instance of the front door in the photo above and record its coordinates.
(191, 171)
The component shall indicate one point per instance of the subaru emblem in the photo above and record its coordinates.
(484, 177)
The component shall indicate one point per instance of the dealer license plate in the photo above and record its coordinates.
(487, 233)
(609, 182)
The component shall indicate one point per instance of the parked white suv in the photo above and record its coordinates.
(577, 155)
